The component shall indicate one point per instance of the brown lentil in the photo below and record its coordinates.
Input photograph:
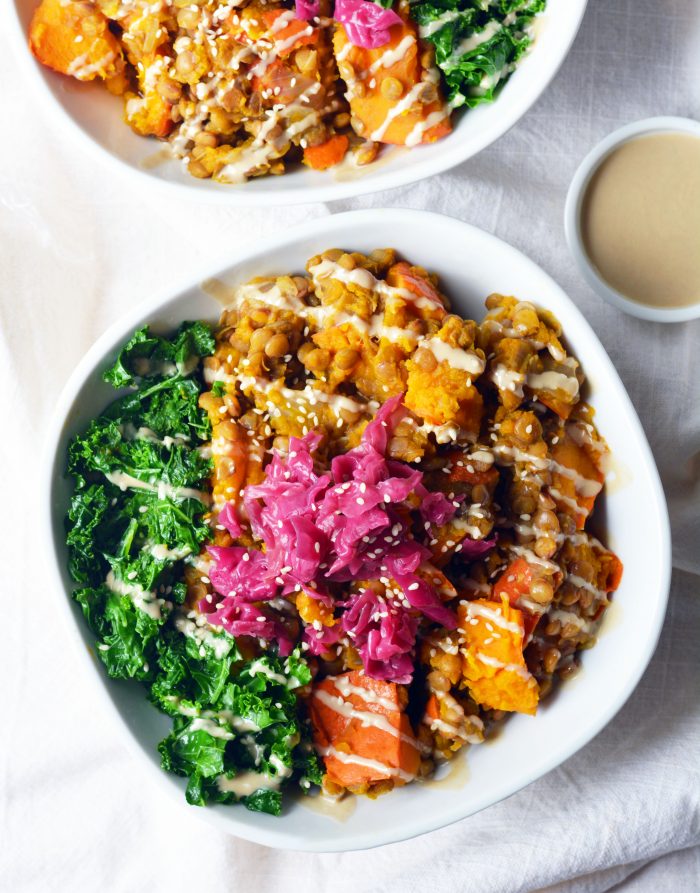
(277, 346)
(347, 358)
(425, 359)
(391, 88)
(317, 360)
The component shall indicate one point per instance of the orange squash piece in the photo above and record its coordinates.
(237, 462)
(296, 33)
(361, 731)
(443, 396)
(610, 573)
(149, 115)
(311, 609)
(320, 158)
(515, 582)
(576, 489)
(391, 96)
(74, 39)
(493, 664)
(403, 275)
(562, 409)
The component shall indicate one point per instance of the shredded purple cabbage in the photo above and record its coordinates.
(366, 24)
(307, 9)
(351, 523)
(472, 550)
(384, 634)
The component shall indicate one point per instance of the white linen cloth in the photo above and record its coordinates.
(78, 246)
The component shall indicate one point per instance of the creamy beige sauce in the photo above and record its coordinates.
(640, 219)
(338, 808)
(454, 774)
(156, 159)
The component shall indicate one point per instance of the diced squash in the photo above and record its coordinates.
(610, 575)
(149, 115)
(320, 158)
(295, 33)
(237, 461)
(437, 579)
(415, 280)
(551, 401)
(514, 583)
(392, 98)
(442, 396)
(74, 39)
(576, 488)
(312, 609)
(494, 667)
(362, 732)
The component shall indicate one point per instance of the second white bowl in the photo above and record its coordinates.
(96, 118)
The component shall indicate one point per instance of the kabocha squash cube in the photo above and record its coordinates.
(73, 38)
(393, 98)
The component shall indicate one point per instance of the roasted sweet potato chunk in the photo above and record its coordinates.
(362, 732)
(494, 667)
(392, 97)
(74, 38)
(577, 477)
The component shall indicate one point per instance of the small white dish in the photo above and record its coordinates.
(574, 204)
(471, 264)
(96, 118)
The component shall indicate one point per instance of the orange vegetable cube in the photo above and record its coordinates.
(393, 99)
(320, 158)
(362, 732)
(494, 668)
(74, 39)
(579, 479)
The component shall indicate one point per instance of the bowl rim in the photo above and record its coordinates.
(53, 463)
(386, 179)
(574, 203)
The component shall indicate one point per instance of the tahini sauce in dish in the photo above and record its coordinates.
(640, 219)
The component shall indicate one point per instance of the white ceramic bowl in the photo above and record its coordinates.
(574, 203)
(97, 118)
(471, 264)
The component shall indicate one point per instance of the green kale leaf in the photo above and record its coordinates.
(477, 46)
(126, 633)
(146, 355)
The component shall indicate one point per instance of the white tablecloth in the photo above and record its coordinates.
(79, 246)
